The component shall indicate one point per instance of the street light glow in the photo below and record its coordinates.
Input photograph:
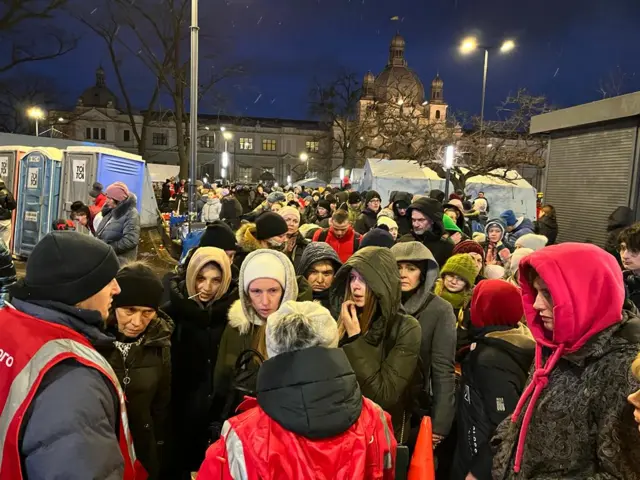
(304, 157)
(225, 159)
(507, 46)
(448, 157)
(222, 129)
(61, 119)
(468, 45)
(223, 173)
(341, 174)
(227, 135)
(288, 179)
(36, 113)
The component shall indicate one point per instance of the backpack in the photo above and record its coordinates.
(325, 233)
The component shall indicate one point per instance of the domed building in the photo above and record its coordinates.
(398, 85)
(98, 96)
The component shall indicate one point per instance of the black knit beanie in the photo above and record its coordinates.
(325, 204)
(377, 237)
(139, 286)
(371, 195)
(218, 235)
(354, 197)
(67, 267)
(269, 225)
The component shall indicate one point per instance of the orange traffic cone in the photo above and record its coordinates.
(422, 466)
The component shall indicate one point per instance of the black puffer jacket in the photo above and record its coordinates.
(145, 376)
(7, 273)
(442, 249)
(548, 226)
(194, 351)
(494, 374)
(366, 221)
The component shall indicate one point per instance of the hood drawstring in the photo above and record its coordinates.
(534, 390)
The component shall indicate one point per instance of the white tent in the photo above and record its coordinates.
(386, 176)
(159, 172)
(313, 182)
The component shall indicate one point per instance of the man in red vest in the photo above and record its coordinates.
(62, 411)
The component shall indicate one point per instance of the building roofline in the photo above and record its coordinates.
(609, 109)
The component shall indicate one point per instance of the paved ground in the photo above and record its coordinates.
(151, 251)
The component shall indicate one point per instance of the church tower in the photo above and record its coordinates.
(437, 107)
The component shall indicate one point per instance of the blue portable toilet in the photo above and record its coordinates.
(85, 165)
(38, 197)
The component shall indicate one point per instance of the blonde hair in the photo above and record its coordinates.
(368, 311)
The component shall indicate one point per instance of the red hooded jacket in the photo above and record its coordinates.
(588, 294)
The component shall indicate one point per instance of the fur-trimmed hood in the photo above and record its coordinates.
(122, 208)
(246, 237)
(241, 314)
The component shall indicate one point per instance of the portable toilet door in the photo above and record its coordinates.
(10, 157)
(107, 166)
(39, 187)
(78, 176)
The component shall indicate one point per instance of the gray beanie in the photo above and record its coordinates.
(317, 252)
(299, 325)
(276, 197)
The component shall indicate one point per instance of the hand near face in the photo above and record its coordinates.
(349, 318)
(634, 399)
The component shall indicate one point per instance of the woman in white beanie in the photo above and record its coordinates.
(532, 241)
(267, 279)
(514, 264)
(310, 419)
(296, 243)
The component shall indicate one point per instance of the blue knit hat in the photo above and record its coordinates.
(509, 217)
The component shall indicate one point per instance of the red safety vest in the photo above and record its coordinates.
(29, 348)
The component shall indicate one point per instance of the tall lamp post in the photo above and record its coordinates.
(470, 45)
(305, 158)
(193, 111)
(36, 113)
(225, 155)
(449, 154)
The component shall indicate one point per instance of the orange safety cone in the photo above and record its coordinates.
(422, 466)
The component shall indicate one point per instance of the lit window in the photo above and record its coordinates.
(268, 145)
(312, 146)
(245, 174)
(159, 139)
(246, 144)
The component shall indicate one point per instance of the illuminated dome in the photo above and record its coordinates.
(397, 82)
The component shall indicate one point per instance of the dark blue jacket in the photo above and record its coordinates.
(525, 227)
(70, 430)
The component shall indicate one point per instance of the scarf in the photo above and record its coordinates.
(457, 300)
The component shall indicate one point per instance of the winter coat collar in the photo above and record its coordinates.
(311, 392)
(86, 322)
(241, 314)
(122, 208)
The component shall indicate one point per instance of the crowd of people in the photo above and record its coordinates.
(308, 334)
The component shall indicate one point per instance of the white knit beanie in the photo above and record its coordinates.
(299, 325)
(389, 222)
(493, 272)
(532, 241)
(516, 258)
(264, 264)
(284, 211)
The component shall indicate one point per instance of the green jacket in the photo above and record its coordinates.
(385, 358)
(354, 213)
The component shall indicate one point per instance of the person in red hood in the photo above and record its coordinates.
(573, 419)
(340, 235)
(99, 199)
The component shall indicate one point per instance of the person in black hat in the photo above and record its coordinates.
(367, 219)
(378, 237)
(400, 202)
(355, 206)
(141, 358)
(61, 307)
(269, 231)
(323, 214)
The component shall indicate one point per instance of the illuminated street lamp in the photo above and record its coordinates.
(36, 114)
(304, 157)
(449, 155)
(470, 45)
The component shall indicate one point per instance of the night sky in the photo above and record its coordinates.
(565, 48)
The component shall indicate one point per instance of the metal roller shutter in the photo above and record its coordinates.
(588, 176)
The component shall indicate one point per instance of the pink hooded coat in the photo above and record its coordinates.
(586, 286)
